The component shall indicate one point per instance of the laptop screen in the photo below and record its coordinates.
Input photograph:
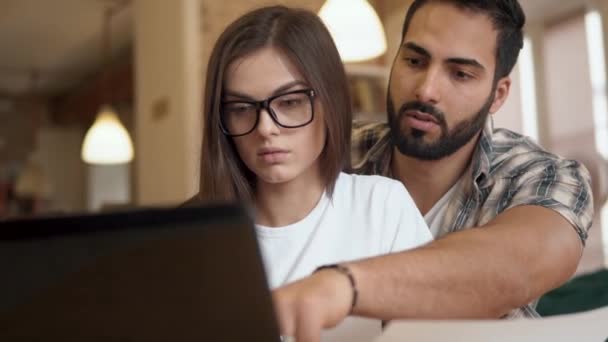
(174, 274)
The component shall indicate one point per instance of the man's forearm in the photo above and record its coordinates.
(477, 273)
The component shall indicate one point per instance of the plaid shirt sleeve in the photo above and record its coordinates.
(558, 184)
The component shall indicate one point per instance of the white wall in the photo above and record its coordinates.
(108, 186)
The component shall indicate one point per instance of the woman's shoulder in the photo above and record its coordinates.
(367, 185)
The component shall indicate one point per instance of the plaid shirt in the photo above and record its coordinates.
(507, 170)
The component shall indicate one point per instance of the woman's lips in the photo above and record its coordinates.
(273, 155)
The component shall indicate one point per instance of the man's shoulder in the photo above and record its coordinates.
(369, 146)
(523, 173)
(367, 133)
(505, 141)
(513, 154)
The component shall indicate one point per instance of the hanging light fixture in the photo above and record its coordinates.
(107, 141)
(356, 29)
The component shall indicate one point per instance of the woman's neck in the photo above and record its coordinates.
(279, 205)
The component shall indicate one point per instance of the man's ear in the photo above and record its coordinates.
(500, 93)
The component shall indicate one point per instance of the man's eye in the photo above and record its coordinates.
(413, 61)
(461, 75)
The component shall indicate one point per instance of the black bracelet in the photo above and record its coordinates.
(346, 271)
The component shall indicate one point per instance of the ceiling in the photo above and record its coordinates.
(50, 46)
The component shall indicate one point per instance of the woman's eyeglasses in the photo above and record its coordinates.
(290, 110)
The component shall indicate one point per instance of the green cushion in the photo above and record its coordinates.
(582, 293)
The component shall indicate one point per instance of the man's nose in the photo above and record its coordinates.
(428, 87)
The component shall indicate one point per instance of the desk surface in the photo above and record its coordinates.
(584, 326)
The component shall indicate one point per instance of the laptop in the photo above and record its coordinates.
(185, 274)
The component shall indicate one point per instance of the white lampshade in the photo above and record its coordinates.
(355, 28)
(107, 141)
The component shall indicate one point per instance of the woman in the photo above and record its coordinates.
(277, 135)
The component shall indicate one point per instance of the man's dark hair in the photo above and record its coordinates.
(507, 17)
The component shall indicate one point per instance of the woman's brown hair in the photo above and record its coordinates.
(303, 38)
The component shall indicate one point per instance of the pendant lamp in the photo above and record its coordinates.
(355, 28)
(107, 141)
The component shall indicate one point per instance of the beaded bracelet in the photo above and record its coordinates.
(346, 271)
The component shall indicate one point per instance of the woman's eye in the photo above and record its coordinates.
(290, 102)
(239, 108)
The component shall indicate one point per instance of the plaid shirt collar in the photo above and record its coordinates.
(378, 158)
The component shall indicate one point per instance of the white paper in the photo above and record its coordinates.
(579, 327)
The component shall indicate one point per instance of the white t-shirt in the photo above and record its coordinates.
(366, 216)
(434, 217)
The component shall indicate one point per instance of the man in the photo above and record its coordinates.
(530, 209)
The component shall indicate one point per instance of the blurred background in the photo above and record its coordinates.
(127, 74)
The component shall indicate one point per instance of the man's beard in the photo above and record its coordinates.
(412, 144)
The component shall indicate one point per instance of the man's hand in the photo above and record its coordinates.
(312, 304)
